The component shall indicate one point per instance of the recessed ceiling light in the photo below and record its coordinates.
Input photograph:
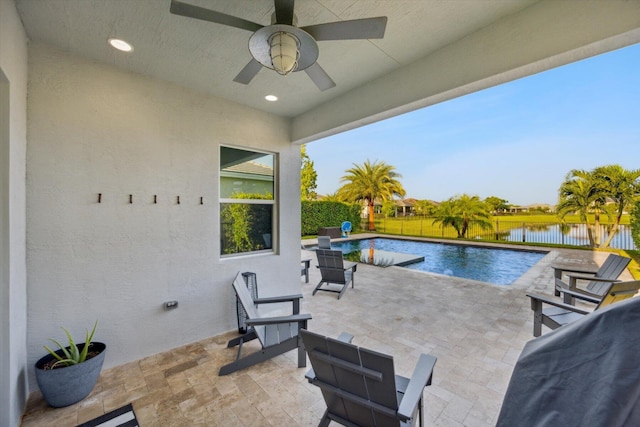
(120, 45)
(271, 98)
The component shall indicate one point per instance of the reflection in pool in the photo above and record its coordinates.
(499, 266)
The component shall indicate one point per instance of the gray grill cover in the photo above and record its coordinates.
(586, 373)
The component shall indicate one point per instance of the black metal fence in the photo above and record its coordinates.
(509, 231)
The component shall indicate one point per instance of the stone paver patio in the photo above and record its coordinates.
(475, 329)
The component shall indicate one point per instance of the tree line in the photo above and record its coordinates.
(607, 190)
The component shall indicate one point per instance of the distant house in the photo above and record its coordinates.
(541, 207)
(404, 207)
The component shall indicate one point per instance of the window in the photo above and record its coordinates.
(247, 201)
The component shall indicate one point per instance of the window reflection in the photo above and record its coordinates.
(247, 202)
(245, 173)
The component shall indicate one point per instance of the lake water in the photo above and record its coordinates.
(576, 235)
(498, 266)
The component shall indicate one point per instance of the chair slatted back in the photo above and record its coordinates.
(619, 291)
(612, 267)
(331, 266)
(267, 334)
(358, 385)
(324, 242)
(242, 292)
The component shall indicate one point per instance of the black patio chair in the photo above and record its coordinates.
(360, 386)
(335, 275)
(277, 335)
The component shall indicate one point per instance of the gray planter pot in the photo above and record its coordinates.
(66, 386)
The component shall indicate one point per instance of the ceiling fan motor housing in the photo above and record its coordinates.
(260, 46)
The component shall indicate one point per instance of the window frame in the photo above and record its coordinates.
(274, 202)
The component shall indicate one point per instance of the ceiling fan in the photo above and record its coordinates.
(284, 47)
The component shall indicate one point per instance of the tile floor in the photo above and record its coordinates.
(476, 330)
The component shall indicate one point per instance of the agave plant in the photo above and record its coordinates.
(72, 355)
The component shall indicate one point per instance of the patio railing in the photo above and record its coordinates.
(509, 231)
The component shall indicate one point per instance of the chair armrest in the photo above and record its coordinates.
(284, 298)
(536, 299)
(351, 266)
(559, 269)
(573, 277)
(573, 280)
(575, 292)
(420, 378)
(583, 295)
(279, 319)
(294, 299)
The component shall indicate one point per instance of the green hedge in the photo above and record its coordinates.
(328, 214)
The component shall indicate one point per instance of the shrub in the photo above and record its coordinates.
(316, 214)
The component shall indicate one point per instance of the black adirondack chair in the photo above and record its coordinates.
(360, 387)
(599, 280)
(561, 313)
(277, 335)
(334, 272)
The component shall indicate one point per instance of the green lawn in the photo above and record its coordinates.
(419, 226)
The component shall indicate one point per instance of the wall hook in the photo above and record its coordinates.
(99, 197)
(155, 199)
(130, 198)
(178, 199)
(201, 200)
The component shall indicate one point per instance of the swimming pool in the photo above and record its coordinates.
(493, 265)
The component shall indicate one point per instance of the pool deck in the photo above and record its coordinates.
(475, 329)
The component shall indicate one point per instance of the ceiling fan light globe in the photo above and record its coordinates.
(284, 52)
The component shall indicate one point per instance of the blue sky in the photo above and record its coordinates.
(516, 141)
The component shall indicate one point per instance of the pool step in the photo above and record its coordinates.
(386, 258)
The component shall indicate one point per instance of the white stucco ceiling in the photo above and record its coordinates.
(432, 50)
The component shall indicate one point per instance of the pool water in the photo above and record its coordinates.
(499, 266)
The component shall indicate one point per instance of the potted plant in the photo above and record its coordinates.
(68, 375)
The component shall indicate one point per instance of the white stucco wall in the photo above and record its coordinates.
(13, 145)
(95, 129)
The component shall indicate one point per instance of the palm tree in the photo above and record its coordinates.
(622, 187)
(460, 212)
(580, 193)
(445, 214)
(369, 182)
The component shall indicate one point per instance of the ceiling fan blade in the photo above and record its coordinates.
(284, 11)
(190, 11)
(248, 72)
(320, 77)
(366, 28)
